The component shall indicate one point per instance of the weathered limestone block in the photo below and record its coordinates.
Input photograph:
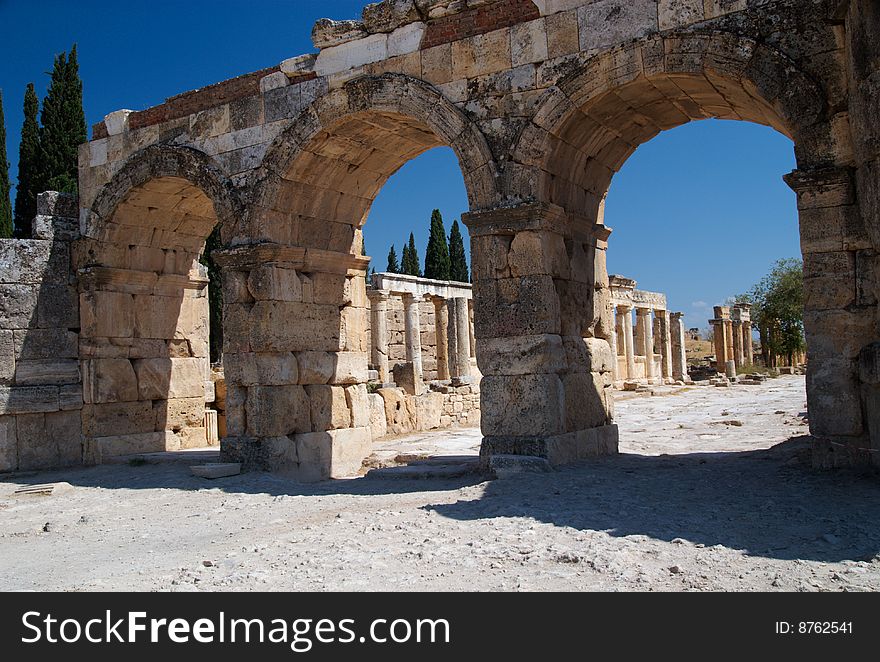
(100, 449)
(522, 405)
(28, 399)
(9, 443)
(107, 314)
(329, 407)
(109, 380)
(316, 367)
(354, 329)
(27, 261)
(279, 326)
(236, 410)
(270, 369)
(57, 306)
(327, 33)
(521, 355)
(277, 411)
(359, 404)
(834, 394)
(399, 412)
(588, 354)
(608, 22)
(388, 15)
(42, 344)
(7, 356)
(49, 440)
(106, 420)
(517, 307)
(47, 371)
(588, 401)
(528, 43)
(378, 422)
(333, 454)
(271, 283)
(191, 437)
(350, 368)
(675, 13)
(180, 413)
(352, 54)
(18, 304)
(429, 407)
(167, 379)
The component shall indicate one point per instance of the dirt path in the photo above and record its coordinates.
(717, 512)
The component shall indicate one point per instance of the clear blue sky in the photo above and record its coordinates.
(700, 212)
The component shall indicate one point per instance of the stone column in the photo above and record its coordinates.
(737, 343)
(679, 350)
(665, 343)
(413, 334)
(728, 336)
(840, 306)
(473, 338)
(629, 341)
(719, 324)
(379, 328)
(614, 347)
(460, 339)
(546, 363)
(643, 316)
(748, 348)
(441, 320)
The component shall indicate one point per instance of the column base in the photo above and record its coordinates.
(558, 450)
(307, 458)
(844, 453)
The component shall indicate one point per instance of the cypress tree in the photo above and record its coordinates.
(437, 265)
(393, 265)
(411, 263)
(28, 165)
(5, 204)
(458, 270)
(63, 126)
(215, 295)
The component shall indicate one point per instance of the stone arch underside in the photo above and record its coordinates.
(144, 305)
(541, 287)
(301, 295)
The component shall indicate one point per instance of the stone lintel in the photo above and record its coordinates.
(535, 217)
(136, 282)
(295, 257)
(831, 187)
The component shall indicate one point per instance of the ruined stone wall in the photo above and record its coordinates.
(397, 336)
(41, 393)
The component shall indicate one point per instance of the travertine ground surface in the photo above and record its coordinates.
(696, 502)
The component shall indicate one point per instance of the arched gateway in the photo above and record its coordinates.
(542, 102)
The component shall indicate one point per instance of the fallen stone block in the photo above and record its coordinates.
(507, 466)
(214, 471)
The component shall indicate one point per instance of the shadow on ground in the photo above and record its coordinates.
(766, 503)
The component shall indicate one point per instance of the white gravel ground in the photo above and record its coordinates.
(696, 502)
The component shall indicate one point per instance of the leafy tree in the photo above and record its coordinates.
(5, 204)
(411, 264)
(63, 126)
(437, 264)
(393, 264)
(28, 165)
(778, 311)
(458, 270)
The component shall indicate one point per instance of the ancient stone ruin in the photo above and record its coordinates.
(637, 357)
(542, 101)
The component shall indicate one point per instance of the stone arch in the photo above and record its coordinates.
(596, 116)
(302, 301)
(550, 249)
(193, 171)
(144, 315)
(356, 137)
